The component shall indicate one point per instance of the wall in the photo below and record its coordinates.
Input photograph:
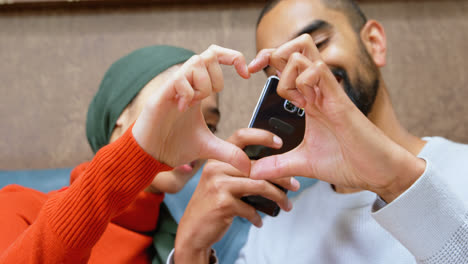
(52, 60)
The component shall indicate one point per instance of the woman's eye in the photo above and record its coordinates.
(212, 128)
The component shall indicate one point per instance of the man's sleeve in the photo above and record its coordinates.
(429, 219)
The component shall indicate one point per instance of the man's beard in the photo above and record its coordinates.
(362, 93)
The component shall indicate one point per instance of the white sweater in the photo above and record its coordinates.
(426, 224)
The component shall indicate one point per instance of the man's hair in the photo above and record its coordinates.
(348, 7)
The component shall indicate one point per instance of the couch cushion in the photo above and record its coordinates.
(41, 180)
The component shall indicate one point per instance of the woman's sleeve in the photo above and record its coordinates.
(72, 221)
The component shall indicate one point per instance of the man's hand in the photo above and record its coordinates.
(216, 201)
(171, 126)
(341, 146)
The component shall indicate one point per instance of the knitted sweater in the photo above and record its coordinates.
(103, 217)
(426, 224)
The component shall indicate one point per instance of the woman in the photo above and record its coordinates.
(150, 110)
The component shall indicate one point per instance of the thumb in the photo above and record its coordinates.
(288, 164)
(221, 150)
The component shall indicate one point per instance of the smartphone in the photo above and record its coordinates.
(284, 119)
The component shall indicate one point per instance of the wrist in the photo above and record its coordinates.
(410, 171)
(189, 255)
(187, 250)
(146, 138)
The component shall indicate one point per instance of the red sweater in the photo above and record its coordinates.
(103, 217)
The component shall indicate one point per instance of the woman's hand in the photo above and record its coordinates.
(217, 200)
(171, 126)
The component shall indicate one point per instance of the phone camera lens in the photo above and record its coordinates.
(300, 112)
(290, 107)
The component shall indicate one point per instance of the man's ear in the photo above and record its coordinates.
(374, 39)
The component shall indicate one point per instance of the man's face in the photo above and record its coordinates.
(339, 44)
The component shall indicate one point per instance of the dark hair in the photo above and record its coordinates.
(350, 8)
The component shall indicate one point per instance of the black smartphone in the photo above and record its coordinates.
(284, 119)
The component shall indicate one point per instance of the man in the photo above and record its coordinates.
(328, 56)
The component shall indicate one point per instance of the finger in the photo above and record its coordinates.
(231, 57)
(221, 150)
(287, 88)
(261, 61)
(318, 80)
(183, 92)
(248, 212)
(289, 183)
(214, 69)
(241, 187)
(303, 44)
(214, 167)
(254, 136)
(289, 164)
(197, 75)
(307, 84)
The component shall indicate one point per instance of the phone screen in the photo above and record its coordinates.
(281, 117)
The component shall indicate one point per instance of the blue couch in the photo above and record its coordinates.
(41, 180)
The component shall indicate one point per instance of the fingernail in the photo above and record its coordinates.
(290, 205)
(295, 183)
(277, 140)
